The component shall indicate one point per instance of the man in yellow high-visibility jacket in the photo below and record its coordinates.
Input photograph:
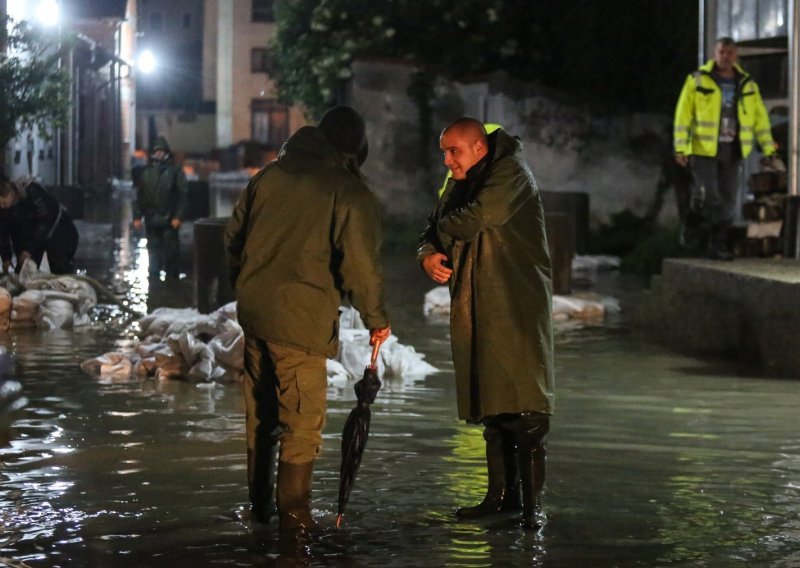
(719, 114)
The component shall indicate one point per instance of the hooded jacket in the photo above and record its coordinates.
(697, 114)
(304, 237)
(491, 227)
(162, 191)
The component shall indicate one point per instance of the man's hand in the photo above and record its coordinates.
(379, 335)
(176, 223)
(682, 160)
(433, 265)
(137, 224)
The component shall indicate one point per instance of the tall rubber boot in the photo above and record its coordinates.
(261, 481)
(502, 493)
(294, 496)
(532, 455)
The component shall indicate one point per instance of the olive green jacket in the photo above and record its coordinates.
(491, 227)
(161, 195)
(303, 238)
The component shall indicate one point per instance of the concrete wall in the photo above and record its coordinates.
(615, 159)
(738, 310)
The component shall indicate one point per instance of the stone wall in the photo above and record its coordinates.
(614, 159)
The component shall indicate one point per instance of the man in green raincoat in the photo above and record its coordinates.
(487, 238)
(161, 198)
(304, 237)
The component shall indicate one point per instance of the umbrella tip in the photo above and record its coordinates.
(338, 520)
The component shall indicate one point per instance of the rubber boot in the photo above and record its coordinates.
(532, 454)
(261, 481)
(502, 493)
(294, 497)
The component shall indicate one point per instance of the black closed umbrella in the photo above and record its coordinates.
(356, 430)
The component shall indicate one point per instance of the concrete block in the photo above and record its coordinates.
(745, 309)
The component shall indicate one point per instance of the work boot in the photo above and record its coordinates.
(531, 436)
(694, 231)
(294, 496)
(260, 478)
(502, 493)
(718, 245)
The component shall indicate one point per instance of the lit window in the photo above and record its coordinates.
(270, 122)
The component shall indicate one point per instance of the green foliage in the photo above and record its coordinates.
(622, 234)
(625, 54)
(34, 90)
(639, 241)
(318, 40)
(646, 256)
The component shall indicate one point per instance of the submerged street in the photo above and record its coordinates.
(655, 459)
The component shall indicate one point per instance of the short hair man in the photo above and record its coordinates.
(487, 238)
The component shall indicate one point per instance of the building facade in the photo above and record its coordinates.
(236, 61)
(96, 145)
(211, 92)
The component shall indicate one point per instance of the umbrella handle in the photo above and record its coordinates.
(375, 349)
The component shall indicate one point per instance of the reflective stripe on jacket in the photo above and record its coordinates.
(697, 115)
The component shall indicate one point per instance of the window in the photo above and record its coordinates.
(263, 11)
(260, 60)
(270, 122)
(155, 22)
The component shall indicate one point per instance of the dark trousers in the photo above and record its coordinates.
(163, 246)
(716, 184)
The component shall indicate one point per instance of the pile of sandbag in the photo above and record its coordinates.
(44, 301)
(584, 306)
(181, 343)
(5, 309)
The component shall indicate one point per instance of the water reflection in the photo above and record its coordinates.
(655, 459)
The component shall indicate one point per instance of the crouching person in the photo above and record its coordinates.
(32, 223)
(303, 238)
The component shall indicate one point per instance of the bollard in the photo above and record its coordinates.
(576, 205)
(791, 228)
(211, 286)
(561, 242)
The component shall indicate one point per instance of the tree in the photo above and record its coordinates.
(34, 88)
(318, 40)
(622, 54)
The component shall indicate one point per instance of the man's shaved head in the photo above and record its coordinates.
(467, 127)
(464, 144)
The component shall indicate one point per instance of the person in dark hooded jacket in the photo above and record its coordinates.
(304, 237)
(161, 194)
(487, 239)
(32, 223)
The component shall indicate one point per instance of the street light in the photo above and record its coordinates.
(146, 62)
(48, 13)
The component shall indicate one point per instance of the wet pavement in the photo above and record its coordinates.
(655, 459)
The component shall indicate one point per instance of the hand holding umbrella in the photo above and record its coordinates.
(356, 428)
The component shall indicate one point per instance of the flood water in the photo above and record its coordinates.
(655, 459)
